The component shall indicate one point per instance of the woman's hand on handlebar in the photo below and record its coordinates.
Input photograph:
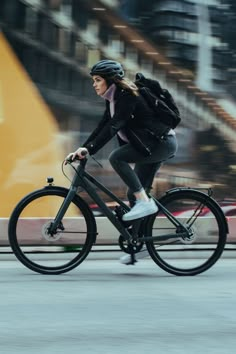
(79, 154)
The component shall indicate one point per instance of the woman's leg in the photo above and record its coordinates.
(146, 174)
(120, 159)
(145, 167)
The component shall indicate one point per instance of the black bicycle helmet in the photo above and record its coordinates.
(108, 69)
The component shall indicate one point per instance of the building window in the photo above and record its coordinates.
(115, 44)
(31, 21)
(62, 40)
(93, 57)
(44, 28)
(72, 44)
(79, 15)
(175, 6)
(55, 37)
(146, 65)
(103, 33)
(93, 27)
(80, 51)
(131, 54)
(66, 7)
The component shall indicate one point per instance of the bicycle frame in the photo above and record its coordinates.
(87, 182)
(81, 228)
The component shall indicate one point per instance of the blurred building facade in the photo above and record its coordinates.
(229, 30)
(193, 34)
(57, 41)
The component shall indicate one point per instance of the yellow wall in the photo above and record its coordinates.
(30, 150)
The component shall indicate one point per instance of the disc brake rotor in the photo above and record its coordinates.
(47, 235)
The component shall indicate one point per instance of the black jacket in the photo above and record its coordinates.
(134, 117)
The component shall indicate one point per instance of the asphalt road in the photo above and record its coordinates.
(106, 307)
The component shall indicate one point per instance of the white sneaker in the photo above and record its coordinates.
(126, 259)
(141, 209)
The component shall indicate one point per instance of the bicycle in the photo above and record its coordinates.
(52, 230)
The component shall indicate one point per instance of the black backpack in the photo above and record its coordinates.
(159, 99)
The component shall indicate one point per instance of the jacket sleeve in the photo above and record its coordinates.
(124, 108)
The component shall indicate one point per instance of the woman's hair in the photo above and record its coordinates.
(127, 84)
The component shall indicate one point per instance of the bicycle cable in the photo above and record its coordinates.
(63, 172)
(99, 164)
(63, 163)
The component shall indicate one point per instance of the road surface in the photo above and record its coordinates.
(109, 308)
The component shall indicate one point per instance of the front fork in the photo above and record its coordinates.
(57, 223)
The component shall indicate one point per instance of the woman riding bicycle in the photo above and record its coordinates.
(168, 236)
(128, 116)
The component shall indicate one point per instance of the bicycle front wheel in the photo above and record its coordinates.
(35, 247)
(197, 252)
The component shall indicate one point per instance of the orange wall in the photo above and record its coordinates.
(29, 136)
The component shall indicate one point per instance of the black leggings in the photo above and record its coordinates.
(145, 166)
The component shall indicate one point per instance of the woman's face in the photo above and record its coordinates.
(99, 85)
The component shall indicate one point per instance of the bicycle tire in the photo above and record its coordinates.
(196, 254)
(38, 251)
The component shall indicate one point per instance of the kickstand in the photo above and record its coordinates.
(132, 254)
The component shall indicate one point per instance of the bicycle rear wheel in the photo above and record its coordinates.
(208, 231)
(38, 250)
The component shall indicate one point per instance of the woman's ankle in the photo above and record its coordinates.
(141, 196)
